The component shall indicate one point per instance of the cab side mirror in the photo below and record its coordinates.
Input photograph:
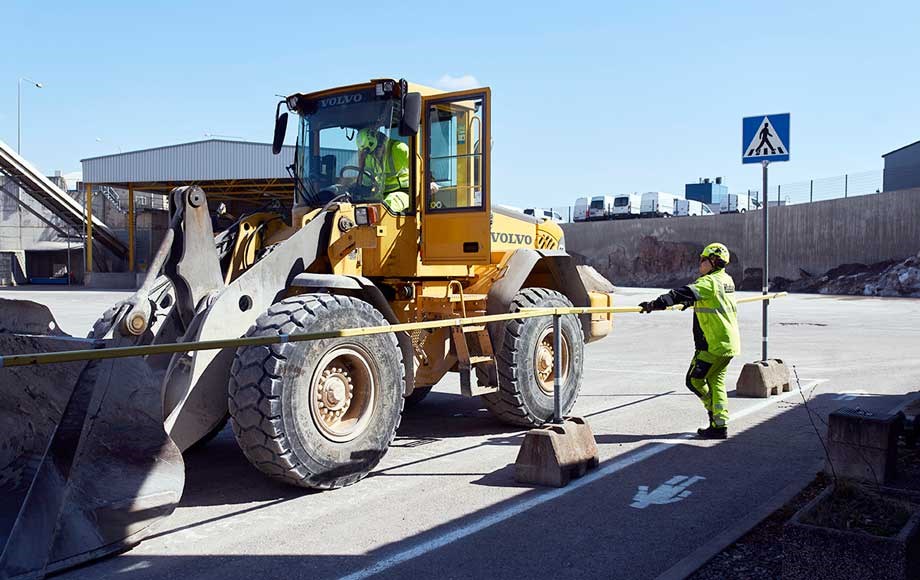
(280, 132)
(411, 114)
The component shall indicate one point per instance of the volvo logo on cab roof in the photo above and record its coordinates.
(341, 100)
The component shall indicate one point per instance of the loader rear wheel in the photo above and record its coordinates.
(525, 362)
(317, 413)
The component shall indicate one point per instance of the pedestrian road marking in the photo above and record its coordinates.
(671, 491)
(539, 498)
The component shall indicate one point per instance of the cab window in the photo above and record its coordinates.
(455, 168)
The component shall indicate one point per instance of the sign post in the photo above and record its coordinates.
(765, 138)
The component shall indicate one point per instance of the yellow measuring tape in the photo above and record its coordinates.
(18, 360)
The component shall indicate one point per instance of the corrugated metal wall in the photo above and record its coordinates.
(212, 160)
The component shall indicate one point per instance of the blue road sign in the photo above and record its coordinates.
(765, 138)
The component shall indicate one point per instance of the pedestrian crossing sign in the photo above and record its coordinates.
(765, 138)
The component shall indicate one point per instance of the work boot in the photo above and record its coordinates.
(712, 433)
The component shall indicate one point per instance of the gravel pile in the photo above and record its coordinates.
(881, 279)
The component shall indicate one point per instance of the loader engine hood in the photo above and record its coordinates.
(512, 230)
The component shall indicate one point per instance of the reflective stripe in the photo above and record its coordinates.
(702, 310)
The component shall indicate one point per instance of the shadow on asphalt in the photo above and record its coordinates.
(595, 511)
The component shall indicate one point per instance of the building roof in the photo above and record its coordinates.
(211, 159)
(901, 148)
(224, 169)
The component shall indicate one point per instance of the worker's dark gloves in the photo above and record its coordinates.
(656, 304)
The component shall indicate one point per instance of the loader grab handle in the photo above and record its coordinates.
(129, 351)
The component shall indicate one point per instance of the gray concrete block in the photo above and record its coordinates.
(553, 454)
(760, 379)
(863, 445)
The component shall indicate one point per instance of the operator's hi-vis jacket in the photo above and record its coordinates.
(715, 321)
(393, 169)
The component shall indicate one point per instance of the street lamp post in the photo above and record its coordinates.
(37, 85)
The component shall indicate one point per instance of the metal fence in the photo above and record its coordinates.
(817, 189)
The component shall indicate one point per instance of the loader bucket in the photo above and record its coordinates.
(85, 464)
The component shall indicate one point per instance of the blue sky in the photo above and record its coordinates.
(587, 97)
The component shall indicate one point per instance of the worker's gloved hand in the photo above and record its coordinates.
(647, 306)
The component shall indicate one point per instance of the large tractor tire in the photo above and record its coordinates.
(320, 413)
(525, 362)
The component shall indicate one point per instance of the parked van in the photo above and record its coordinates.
(658, 204)
(542, 213)
(601, 207)
(689, 207)
(626, 205)
(580, 211)
(735, 203)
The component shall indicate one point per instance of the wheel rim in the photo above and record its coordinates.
(343, 393)
(544, 359)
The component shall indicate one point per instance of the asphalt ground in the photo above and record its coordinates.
(443, 502)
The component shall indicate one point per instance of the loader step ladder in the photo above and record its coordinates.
(465, 362)
(485, 357)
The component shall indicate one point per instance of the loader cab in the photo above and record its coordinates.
(448, 160)
(328, 162)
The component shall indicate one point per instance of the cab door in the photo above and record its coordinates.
(456, 212)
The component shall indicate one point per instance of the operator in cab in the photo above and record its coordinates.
(384, 163)
(715, 334)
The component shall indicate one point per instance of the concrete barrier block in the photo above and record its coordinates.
(863, 445)
(555, 453)
(760, 379)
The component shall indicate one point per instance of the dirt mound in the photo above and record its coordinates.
(890, 278)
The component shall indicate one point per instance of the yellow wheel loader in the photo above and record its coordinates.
(392, 222)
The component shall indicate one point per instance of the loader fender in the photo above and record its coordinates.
(363, 288)
(195, 387)
(552, 269)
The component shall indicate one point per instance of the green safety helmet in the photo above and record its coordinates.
(367, 140)
(716, 250)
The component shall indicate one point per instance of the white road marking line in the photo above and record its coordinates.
(849, 395)
(538, 499)
(143, 564)
(637, 371)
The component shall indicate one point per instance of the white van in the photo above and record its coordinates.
(689, 207)
(626, 205)
(735, 203)
(601, 207)
(544, 214)
(580, 211)
(658, 204)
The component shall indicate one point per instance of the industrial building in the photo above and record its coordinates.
(902, 168)
(708, 191)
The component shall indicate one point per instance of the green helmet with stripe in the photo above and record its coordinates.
(716, 250)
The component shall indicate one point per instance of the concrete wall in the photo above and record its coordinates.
(814, 237)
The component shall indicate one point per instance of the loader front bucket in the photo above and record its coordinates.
(85, 464)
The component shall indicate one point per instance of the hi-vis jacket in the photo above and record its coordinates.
(393, 170)
(715, 321)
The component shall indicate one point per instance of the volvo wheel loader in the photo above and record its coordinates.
(91, 453)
